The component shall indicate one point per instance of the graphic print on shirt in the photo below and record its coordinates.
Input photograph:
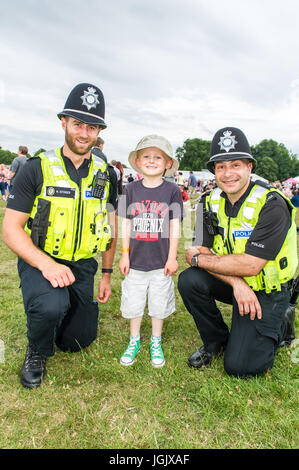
(148, 219)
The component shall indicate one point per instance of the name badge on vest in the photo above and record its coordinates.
(242, 233)
(59, 191)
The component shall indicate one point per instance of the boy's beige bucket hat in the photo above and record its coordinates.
(154, 141)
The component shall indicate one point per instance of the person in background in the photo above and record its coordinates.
(208, 187)
(17, 164)
(192, 189)
(286, 190)
(100, 145)
(117, 171)
(295, 198)
(180, 179)
(191, 183)
(119, 166)
(184, 193)
(4, 173)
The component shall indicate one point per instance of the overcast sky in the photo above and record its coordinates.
(181, 69)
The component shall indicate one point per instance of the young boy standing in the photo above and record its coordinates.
(152, 210)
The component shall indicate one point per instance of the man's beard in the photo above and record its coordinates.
(75, 147)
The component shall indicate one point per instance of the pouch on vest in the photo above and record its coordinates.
(106, 239)
(40, 223)
(101, 235)
(271, 278)
(60, 223)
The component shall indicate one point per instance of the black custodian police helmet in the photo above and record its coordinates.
(85, 103)
(229, 143)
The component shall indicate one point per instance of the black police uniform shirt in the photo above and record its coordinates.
(29, 182)
(270, 231)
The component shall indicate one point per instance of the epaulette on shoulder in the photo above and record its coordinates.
(263, 184)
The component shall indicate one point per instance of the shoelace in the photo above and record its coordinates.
(131, 348)
(156, 347)
(34, 360)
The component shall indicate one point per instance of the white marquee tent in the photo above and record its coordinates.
(204, 175)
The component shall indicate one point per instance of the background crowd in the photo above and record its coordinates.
(191, 187)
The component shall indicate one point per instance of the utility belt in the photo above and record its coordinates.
(286, 285)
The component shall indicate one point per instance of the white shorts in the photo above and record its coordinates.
(138, 285)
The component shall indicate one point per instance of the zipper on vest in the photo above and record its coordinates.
(228, 243)
(81, 226)
(78, 232)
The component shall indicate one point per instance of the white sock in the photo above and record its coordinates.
(157, 337)
(136, 338)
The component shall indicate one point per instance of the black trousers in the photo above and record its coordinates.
(66, 316)
(250, 344)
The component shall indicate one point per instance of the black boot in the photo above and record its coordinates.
(201, 357)
(34, 368)
(289, 335)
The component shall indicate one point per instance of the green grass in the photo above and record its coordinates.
(88, 400)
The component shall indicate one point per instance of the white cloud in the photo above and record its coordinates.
(182, 70)
(193, 113)
(2, 91)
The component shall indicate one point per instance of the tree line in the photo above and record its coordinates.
(274, 160)
(6, 156)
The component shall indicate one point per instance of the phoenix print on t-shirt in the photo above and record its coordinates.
(148, 219)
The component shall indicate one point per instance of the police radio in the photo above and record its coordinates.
(210, 220)
(98, 184)
(100, 178)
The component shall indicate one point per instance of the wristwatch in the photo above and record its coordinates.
(194, 260)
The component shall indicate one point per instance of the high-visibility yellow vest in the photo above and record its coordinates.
(235, 231)
(65, 221)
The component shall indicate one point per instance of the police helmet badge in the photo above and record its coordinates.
(90, 98)
(228, 141)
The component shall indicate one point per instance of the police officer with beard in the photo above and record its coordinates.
(61, 213)
(244, 254)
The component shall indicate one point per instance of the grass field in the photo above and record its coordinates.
(89, 401)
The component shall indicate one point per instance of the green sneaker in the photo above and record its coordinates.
(128, 358)
(157, 356)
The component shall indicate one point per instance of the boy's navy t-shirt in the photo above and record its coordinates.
(150, 211)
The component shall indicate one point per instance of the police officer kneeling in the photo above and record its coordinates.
(246, 256)
(60, 214)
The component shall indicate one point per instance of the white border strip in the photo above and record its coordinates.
(84, 112)
(231, 153)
